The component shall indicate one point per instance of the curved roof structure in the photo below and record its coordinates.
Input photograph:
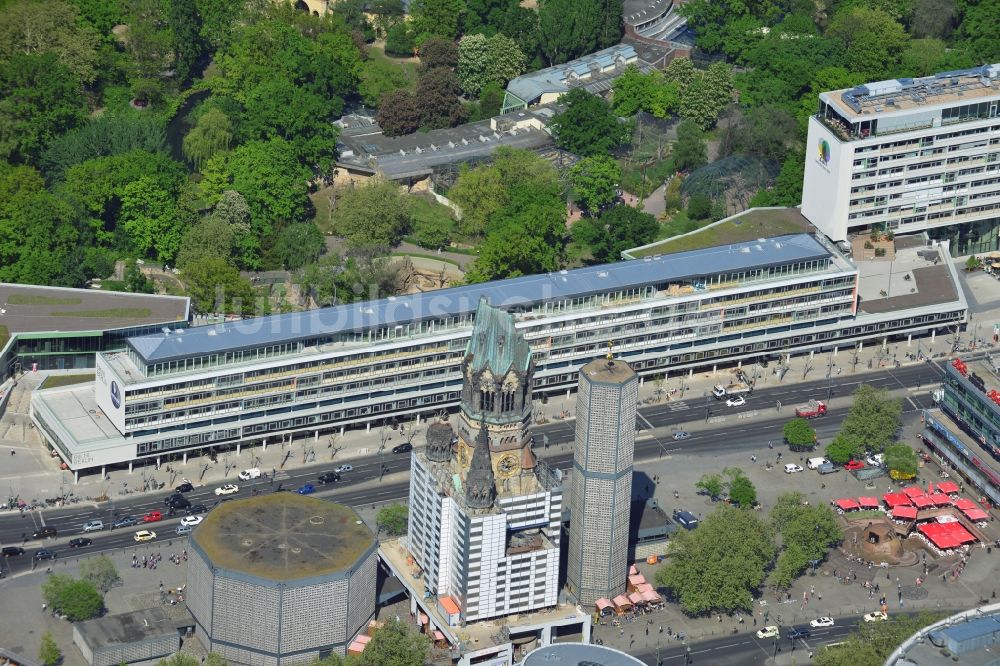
(283, 537)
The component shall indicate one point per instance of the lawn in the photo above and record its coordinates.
(110, 313)
(54, 381)
(746, 227)
(409, 69)
(4, 336)
(32, 299)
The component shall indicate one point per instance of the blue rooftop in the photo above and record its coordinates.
(529, 87)
(521, 291)
(965, 631)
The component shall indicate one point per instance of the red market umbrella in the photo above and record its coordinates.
(895, 499)
(868, 502)
(905, 513)
(976, 514)
(846, 504)
(948, 487)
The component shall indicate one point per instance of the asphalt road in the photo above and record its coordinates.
(722, 430)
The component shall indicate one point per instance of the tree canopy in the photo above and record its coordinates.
(376, 214)
(617, 229)
(392, 519)
(77, 599)
(587, 126)
(871, 424)
(807, 532)
(799, 435)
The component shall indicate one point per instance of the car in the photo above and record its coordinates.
(738, 401)
(44, 533)
(12, 551)
(822, 622)
(767, 632)
(329, 477)
(405, 447)
(877, 616)
(228, 489)
(80, 542)
(143, 536)
(179, 502)
(93, 526)
(248, 474)
(307, 489)
(792, 468)
(680, 434)
(175, 498)
(796, 633)
(124, 521)
(45, 554)
(152, 517)
(191, 521)
(343, 468)
(184, 529)
(185, 487)
(854, 465)
(196, 509)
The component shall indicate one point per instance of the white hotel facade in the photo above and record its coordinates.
(301, 374)
(909, 155)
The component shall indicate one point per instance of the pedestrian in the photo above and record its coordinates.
(12, 451)
(819, 595)
(755, 621)
(647, 631)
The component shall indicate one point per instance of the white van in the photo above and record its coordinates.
(814, 463)
(247, 474)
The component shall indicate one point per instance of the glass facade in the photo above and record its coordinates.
(970, 237)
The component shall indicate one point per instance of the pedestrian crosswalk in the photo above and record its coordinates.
(678, 406)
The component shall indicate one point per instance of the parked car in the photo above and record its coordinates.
(228, 489)
(248, 474)
(184, 529)
(143, 536)
(329, 477)
(685, 519)
(12, 551)
(853, 465)
(152, 517)
(196, 509)
(792, 468)
(796, 633)
(828, 468)
(80, 542)
(343, 468)
(405, 447)
(124, 521)
(680, 434)
(44, 533)
(821, 622)
(93, 526)
(185, 487)
(877, 616)
(767, 632)
(738, 401)
(45, 554)
(307, 489)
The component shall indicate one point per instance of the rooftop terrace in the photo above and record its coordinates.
(34, 309)
(919, 276)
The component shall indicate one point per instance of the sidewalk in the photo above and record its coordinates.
(32, 473)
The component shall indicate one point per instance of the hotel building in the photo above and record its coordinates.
(264, 379)
(909, 155)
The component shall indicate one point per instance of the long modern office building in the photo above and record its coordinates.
(263, 379)
(909, 155)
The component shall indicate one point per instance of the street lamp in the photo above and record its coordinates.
(687, 655)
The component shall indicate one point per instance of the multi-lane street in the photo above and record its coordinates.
(713, 428)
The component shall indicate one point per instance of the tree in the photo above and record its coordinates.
(387, 13)
(215, 286)
(699, 207)
(39, 100)
(100, 571)
(480, 192)
(587, 126)
(704, 98)
(136, 282)
(376, 214)
(212, 133)
(185, 28)
(485, 61)
(77, 599)
(902, 460)
(151, 46)
(799, 435)
(840, 450)
(28, 27)
(295, 246)
(980, 30)
(787, 190)
(923, 57)
(807, 532)
(392, 519)
(690, 151)
(741, 489)
(104, 135)
(399, 113)
(595, 182)
(437, 17)
(767, 132)
(617, 229)
(211, 237)
(872, 39)
(873, 420)
(633, 91)
(609, 23)
(438, 90)
(151, 219)
(568, 29)
(711, 484)
(395, 644)
(873, 642)
(438, 52)
(720, 565)
(49, 653)
(379, 77)
(399, 41)
(218, 20)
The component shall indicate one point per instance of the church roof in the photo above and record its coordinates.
(495, 343)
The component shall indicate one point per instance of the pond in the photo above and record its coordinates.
(178, 127)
